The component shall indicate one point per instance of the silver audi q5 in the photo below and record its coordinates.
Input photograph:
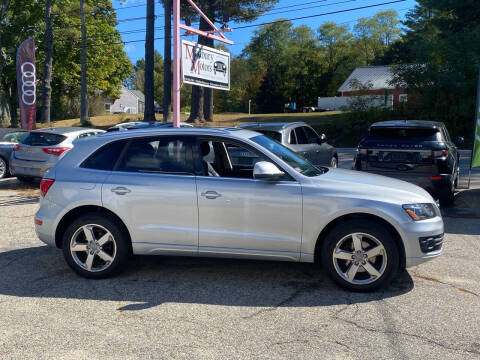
(177, 192)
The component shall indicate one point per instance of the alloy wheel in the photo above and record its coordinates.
(359, 258)
(93, 247)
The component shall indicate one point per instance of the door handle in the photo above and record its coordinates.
(211, 195)
(120, 190)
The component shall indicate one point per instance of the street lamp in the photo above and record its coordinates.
(249, 106)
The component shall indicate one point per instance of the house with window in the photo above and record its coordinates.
(129, 102)
(373, 80)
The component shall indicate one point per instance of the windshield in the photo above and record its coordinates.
(274, 135)
(425, 134)
(43, 139)
(15, 137)
(296, 162)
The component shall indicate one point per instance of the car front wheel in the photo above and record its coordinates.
(95, 246)
(360, 255)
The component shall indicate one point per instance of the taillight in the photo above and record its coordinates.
(16, 147)
(440, 153)
(362, 151)
(45, 185)
(55, 150)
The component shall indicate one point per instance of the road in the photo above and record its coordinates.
(187, 308)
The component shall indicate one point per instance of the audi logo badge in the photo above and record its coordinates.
(28, 83)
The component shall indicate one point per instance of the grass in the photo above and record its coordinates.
(341, 131)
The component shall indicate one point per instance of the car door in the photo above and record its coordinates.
(152, 188)
(242, 216)
(299, 143)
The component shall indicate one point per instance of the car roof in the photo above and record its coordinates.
(205, 131)
(408, 123)
(63, 130)
(272, 126)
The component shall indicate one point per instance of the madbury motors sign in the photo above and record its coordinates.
(205, 66)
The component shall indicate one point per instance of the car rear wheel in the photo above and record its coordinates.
(95, 246)
(334, 162)
(447, 195)
(360, 255)
(3, 168)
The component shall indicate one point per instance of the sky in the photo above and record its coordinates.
(133, 32)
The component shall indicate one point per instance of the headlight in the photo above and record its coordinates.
(420, 211)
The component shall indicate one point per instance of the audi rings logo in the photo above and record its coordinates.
(28, 83)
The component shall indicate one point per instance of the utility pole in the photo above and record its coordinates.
(83, 95)
(149, 65)
(167, 61)
(47, 66)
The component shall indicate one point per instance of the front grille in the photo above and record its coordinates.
(431, 243)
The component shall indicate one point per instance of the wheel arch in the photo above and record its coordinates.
(364, 216)
(86, 209)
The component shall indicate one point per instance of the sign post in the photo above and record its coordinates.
(177, 55)
(475, 159)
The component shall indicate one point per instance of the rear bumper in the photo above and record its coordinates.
(29, 168)
(48, 213)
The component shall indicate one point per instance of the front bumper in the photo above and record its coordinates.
(414, 231)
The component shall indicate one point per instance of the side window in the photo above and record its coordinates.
(84, 135)
(224, 159)
(446, 134)
(106, 157)
(312, 137)
(292, 139)
(301, 137)
(166, 155)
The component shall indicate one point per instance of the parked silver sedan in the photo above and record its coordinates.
(41, 149)
(177, 192)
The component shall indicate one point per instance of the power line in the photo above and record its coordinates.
(317, 15)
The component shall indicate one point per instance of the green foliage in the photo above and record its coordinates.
(107, 63)
(137, 79)
(443, 43)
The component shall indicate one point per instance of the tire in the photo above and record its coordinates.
(110, 242)
(3, 168)
(447, 196)
(334, 162)
(375, 240)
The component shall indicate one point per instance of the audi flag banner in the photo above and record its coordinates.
(26, 83)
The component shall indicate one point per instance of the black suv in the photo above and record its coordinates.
(420, 152)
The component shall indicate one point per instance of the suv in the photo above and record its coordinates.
(420, 152)
(177, 192)
(300, 138)
(41, 149)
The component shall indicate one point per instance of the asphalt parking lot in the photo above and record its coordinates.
(186, 308)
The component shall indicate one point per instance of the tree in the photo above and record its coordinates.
(335, 41)
(83, 94)
(167, 62)
(137, 79)
(438, 61)
(149, 62)
(47, 65)
(233, 10)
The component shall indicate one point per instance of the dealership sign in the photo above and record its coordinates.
(205, 66)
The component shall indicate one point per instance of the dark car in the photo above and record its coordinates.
(7, 143)
(300, 138)
(420, 152)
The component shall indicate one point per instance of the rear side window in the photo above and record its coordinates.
(424, 134)
(43, 139)
(312, 137)
(106, 157)
(164, 155)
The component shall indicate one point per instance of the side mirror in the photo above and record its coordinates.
(267, 171)
(459, 140)
(322, 139)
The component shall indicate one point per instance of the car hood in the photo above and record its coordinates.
(357, 184)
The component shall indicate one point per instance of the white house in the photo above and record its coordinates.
(130, 102)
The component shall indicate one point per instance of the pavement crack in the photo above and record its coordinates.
(432, 279)
(419, 337)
